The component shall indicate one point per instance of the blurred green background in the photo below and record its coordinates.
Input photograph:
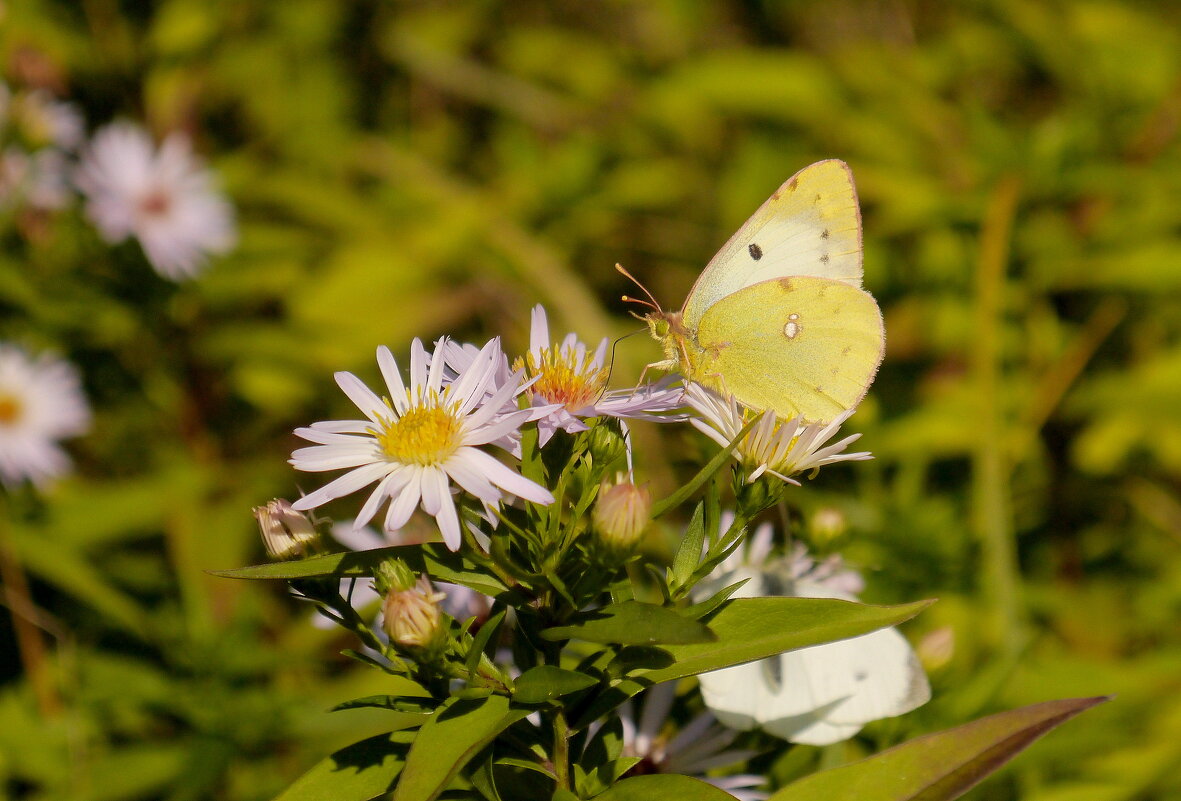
(416, 169)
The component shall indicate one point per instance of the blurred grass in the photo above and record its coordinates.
(423, 168)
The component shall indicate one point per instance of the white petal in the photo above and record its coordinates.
(404, 503)
(538, 331)
(434, 489)
(361, 395)
(504, 477)
(448, 522)
(349, 482)
(393, 379)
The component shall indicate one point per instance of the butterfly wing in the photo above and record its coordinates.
(802, 346)
(810, 226)
(828, 692)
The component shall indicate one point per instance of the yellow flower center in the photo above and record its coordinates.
(425, 435)
(564, 378)
(10, 410)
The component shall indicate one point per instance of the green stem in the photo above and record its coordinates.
(991, 492)
(561, 755)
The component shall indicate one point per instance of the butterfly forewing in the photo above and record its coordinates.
(802, 347)
(810, 226)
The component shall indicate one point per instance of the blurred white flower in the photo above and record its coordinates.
(41, 401)
(817, 695)
(782, 448)
(419, 440)
(44, 120)
(165, 198)
(700, 746)
(571, 381)
(39, 180)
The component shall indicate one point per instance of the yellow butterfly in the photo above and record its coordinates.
(778, 318)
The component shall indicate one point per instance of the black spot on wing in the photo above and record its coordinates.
(755, 251)
(824, 258)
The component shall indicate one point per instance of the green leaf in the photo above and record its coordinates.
(756, 628)
(689, 551)
(546, 682)
(700, 610)
(432, 558)
(664, 787)
(747, 629)
(394, 703)
(451, 737)
(940, 766)
(704, 474)
(358, 772)
(633, 623)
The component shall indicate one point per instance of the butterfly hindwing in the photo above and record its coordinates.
(801, 347)
(810, 226)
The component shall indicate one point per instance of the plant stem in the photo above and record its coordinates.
(992, 461)
(561, 754)
(29, 644)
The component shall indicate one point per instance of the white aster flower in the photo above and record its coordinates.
(700, 746)
(571, 380)
(41, 401)
(817, 695)
(782, 448)
(164, 198)
(417, 441)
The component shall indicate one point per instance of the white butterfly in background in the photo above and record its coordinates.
(818, 695)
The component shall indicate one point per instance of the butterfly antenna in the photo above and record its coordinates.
(651, 301)
(611, 362)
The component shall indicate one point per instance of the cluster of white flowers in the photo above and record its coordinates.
(41, 402)
(422, 437)
(162, 196)
(39, 137)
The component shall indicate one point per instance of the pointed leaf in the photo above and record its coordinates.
(451, 737)
(358, 772)
(633, 623)
(432, 558)
(756, 628)
(546, 682)
(664, 787)
(689, 551)
(941, 766)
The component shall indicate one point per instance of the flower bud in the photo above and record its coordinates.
(827, 525)
(286, 533)
(606, 444)
(621, 514)
(393, 575)
(936, 648)
(411, 616)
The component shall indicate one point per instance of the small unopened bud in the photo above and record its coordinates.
(411, 616)
(827, 525)
(393, 575)
(606, 444)
(936, 648)
(286, 533)
(621, 514)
